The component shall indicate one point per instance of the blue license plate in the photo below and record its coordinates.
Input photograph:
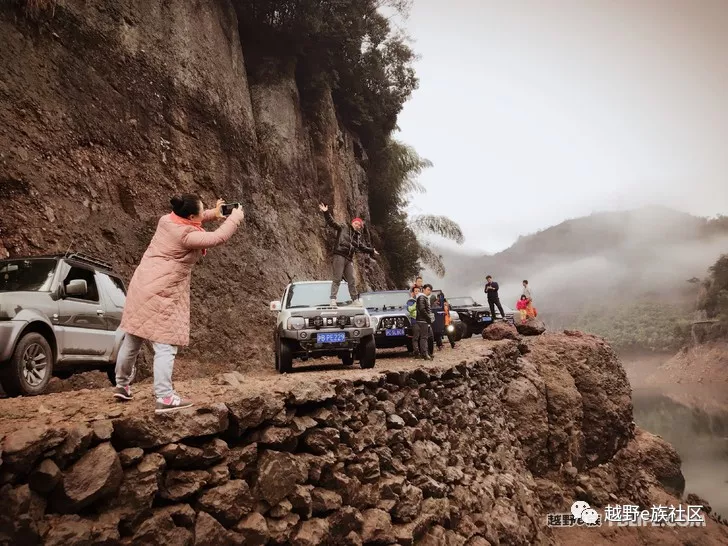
(484, 319)
(394, 332)
(338, 337)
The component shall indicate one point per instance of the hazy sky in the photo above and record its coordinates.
(535, 111)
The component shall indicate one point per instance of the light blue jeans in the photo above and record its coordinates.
(164, 356)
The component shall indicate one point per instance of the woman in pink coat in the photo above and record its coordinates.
(157, 305)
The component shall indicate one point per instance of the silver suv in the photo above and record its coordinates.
(307, 326)
(58, 314)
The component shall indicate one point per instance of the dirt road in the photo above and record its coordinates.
(202, 383)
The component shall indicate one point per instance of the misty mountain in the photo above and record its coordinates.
(598, 264)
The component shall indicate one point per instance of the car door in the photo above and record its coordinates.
(82, 319)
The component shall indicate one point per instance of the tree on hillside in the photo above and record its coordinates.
(714, 299)
(393, 179)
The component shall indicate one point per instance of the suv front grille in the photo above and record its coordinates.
(482, 314)
(393, 322)
(328, 322)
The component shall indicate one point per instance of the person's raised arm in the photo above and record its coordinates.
(198, 240)
(329, 217)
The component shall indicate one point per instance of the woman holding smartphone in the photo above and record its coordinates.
(157, 305)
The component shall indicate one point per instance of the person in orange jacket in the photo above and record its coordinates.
(449, 326)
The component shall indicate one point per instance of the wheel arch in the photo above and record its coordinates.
(44, 329)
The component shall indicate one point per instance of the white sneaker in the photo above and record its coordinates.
(357, 303)
(333, 303)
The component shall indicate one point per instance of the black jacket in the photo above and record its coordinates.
(424, 312)
(492, 294)
(348, 240)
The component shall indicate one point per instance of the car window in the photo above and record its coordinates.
(26, 275)
(86, 275)
(314, 294)
(114, 287)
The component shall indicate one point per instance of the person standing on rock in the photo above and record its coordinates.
(491, 290)
(157, 305)
(425, 318)
(530, 309)
(349, 241)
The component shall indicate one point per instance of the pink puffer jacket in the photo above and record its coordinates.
(158, 299)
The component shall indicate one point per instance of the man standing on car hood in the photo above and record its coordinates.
(348, 242)
(491, 289)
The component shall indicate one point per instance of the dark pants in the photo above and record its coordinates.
(493, 304)
(415, 337)
(343, 268)
(421, 334)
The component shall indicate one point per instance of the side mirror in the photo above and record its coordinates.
(77, 287)
(275, 306)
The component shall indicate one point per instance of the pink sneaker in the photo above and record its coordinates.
(171, 403)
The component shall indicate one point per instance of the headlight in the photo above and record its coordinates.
(450, 328)
(361, 321)
(375, 322)
(296, 323)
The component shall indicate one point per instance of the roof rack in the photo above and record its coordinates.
(89, 260)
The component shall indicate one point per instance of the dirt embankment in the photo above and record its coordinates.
(109, 108)
(475, 448)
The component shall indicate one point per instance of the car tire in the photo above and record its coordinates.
(284, 357)
(367, 352)
(468, 333)
(30, 368)
(347, 359)
(410, 346)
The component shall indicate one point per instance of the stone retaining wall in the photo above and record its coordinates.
(430, 455)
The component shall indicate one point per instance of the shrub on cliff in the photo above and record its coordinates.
(714, 298)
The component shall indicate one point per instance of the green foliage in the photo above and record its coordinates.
(714, 298)
(642, 324)
(438, 225)
(367, 64)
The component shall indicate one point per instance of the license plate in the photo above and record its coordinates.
(394, 332)
(484, 319)
(338, 337)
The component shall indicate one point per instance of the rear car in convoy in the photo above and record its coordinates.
(58, 314)
(307, 326)
(475, 316)
(390, 320)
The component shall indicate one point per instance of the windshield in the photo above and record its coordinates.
(386, 300)
(26, 275)
(315, 294)
(462, 302)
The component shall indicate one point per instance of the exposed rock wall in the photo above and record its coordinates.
(109, 108)
(475, 453)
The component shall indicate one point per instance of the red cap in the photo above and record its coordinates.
(357, 219)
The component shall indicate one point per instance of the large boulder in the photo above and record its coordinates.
(153, 430)
(532, 327)
(45, 478)
(278, 475)
(22, 449)
(499, 331)
(227, 503)
(183, 484)
(97, 475)
(252, 412)
(138, 489)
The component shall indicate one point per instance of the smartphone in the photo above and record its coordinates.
(227, 208)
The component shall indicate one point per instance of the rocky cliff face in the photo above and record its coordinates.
(109, 108)
(469, 453)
